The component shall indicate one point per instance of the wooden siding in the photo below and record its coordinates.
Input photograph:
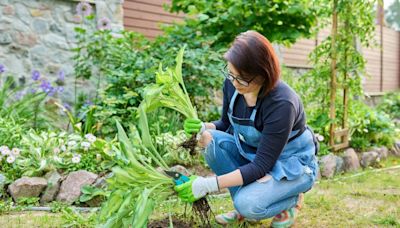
(145, 16)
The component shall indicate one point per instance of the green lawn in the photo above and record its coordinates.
(368, 200)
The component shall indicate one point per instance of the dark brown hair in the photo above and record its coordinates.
(252, 55)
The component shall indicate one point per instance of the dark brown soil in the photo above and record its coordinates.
(165, 223)
(190, 144)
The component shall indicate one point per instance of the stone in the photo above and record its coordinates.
(18, 50)
(70, 190)
(53, 186)
(102, 184)
(395, 151)
(27, 187)
(8, 10)
(20, 26)
(54, 41)
(72, 18)
(5, 38)
(328, 165)
(350, 160)
(383, 152)
(37, 13)
(40, 26)
(23, 13)
(339, 165)
(369, 158)
(56, 29)
(26, 39)
(3, 2)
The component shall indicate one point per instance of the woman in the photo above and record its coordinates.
(261, 148)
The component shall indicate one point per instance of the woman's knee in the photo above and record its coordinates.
(248, 207)
(205, 139)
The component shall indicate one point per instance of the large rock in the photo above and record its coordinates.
(351, 161)
(369, 158)
(27, 187)
(71, 187)
(383, 152)
(339, 165)
(53, 186)
(328, 165)
(396, 149)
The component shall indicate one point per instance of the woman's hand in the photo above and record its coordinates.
(193, 126)
(196, 188)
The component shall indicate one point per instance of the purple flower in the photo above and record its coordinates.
(88, 102)
(84, 8)
(32, 90)
(104, 24)
(35, 75)
(2, 68)
(19, 95)
(67, 106)
(60, 89)
(61, 75)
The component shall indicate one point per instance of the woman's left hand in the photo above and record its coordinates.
(196, 188)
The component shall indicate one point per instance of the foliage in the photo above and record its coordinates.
(135, 186)
(28, 201)
(370, 127)
(390, 104)
(281, 21)
(72, 218)
(89, 192)
(392, 15)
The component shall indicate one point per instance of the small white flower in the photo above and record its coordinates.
(76, 159)
(320, 138)
(56, 150)
(10, 159)
(85, 145)
(71, 143)
(90, 137)
(6, 151)
(2, 148)
(15, 152)
(63, 148)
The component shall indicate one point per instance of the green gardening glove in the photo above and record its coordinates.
(196, 188)
(193, 126)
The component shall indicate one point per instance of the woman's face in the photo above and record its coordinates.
(251, 88)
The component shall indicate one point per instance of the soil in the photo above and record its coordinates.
(190, 144)
(165, 223)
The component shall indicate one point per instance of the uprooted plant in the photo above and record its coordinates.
(169, 91)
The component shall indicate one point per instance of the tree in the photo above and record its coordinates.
(392, 15)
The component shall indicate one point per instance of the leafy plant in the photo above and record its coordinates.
(135, 186)
(390, 104)
(89, 192)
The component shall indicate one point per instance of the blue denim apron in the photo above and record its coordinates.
(297, 156)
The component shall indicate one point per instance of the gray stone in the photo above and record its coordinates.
(55, 41)
(23, 13)
(53, 186)
(395, 151)
(19, 51)
(27, 187)
(70, 190)
(72, 18)
(3, 2)
(20, 26)
(5, 38)
(351, 161)
(5, 24)
(383, 152)
(339, 165)
(26, 39)
(8, 10)
(40, 26)
(328, 165)
(56, 29)
(369, 158)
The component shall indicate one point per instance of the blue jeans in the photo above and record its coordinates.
(263, 198)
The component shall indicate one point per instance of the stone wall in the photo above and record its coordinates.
(39, 34)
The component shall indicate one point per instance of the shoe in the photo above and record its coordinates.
(300, 201)
(229, 218)
(285, 219)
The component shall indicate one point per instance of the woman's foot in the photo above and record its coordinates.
(229, 218)
(287, 218)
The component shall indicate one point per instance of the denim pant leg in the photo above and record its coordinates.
(222, 155)
(265, 199)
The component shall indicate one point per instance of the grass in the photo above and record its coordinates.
(368, 200)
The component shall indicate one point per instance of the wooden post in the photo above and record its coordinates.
(332, 113)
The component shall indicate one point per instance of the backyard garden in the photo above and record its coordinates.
(98, 158)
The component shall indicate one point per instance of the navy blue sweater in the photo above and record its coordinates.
(278, 113)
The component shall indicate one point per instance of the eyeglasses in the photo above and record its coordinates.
(231, 77)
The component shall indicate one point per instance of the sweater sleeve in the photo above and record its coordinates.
(277, 127)
(223, 123)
